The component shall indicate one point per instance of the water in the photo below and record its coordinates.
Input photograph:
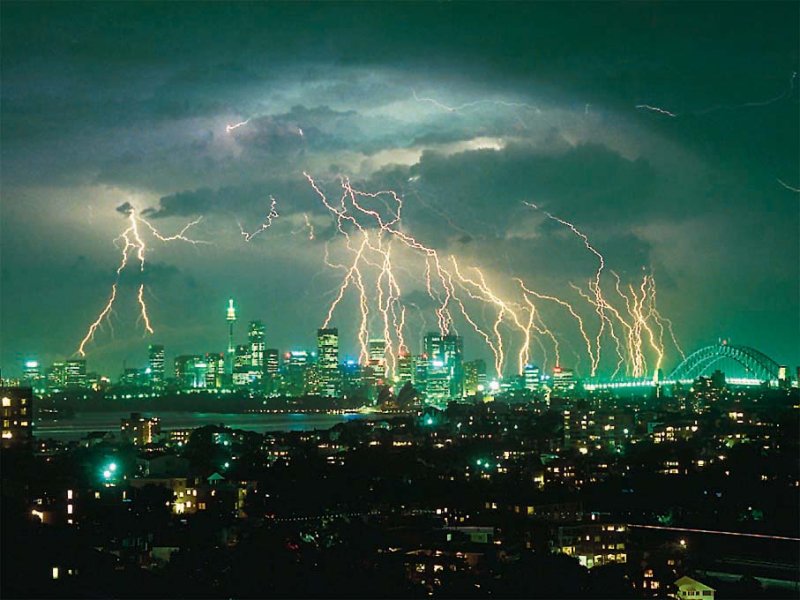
(84, 423)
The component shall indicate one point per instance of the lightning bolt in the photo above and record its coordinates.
(657, 109)
(271, 215)
(131, 240)
(229, 128)
(474, 104)
(789, 187)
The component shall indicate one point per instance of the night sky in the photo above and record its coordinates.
(466, 110)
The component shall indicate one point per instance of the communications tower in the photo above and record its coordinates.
(230, 317)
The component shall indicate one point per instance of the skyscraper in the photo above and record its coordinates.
(75, 372)
(445, 372)
(272, 361)
(406, 369)
(242, 360)
(474, 376)
(563, 379)
(532, 378)
(256, 335)
(155, 361)
(377, 356)
(190, 371)
(57, 376)
(257, 339)
(215, 372)
(328, 361)
(296, 365)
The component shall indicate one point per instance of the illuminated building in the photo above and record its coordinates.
(689, 588)
(421, 371)
(215, 369)
(445, 372)
(352, 377)
(57, 376)
(272, 367)
(256, 338)
(272, 363)
(190, 371)
(328, 363)
(75, 373)
(155, 360)
(133, 377)
(140, 430)
(297, 361)
(230, 318)
(474, 377)
(406, 369)
(532, 378)
(31, 372)
(594, 544)
(563, 379)
(242, 360)
(377, 357)
(17, 416)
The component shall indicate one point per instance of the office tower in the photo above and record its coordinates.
(421, 371)
(376, 355)
(531, 376)
(445, 372)
(474, 377)
(256, 336)
(230, 318)
(352, 377)
(242, 359)
(215, 369)
(132, 377)
(406, 369)
(31, 372)
(272, 361)
(563, 379)
(272, 367)
(75, 373)
(155, 361)
(190, 371)
(57, 376)
(328, 361)
(16, 411)
(297, 361)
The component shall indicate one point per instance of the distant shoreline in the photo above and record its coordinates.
(261, 421)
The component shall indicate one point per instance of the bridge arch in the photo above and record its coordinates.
(757, 364)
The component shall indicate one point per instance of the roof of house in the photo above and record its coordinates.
(688, 582)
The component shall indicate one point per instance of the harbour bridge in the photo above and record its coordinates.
(746, 365)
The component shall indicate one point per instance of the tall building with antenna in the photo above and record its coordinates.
(231, 319)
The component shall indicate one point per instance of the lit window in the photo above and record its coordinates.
(6, 404)
(69, 509)
(55, 569)
(69, 494)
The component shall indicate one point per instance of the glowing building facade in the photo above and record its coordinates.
(328, 362)
(16, 412)
(155, 362)
(445, 367)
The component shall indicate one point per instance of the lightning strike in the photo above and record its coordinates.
(131, 240)
(229, 128)
(271, 215)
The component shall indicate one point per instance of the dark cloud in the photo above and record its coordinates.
(124, 104)
(126, 208)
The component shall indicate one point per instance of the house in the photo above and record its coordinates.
(691, 589)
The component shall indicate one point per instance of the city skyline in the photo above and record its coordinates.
(222, 151)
